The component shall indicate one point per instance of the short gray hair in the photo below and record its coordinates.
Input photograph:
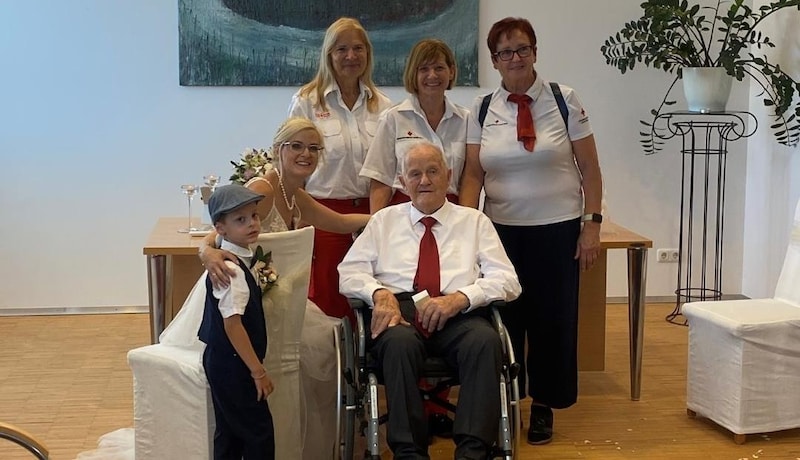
(419, 145)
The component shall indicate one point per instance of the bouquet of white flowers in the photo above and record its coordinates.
(253, 163)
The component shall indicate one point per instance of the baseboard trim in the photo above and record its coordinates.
(55, 311)
(668, 298)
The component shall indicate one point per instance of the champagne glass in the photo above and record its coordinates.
(211, 180)
(189, 190)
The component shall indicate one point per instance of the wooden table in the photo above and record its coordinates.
(592, 311)
(173, 268)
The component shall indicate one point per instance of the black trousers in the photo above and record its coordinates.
(470, 344)
(244, 425)
(547, 311)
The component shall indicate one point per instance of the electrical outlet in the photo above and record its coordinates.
(668, 255)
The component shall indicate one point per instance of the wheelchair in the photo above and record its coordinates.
(357, 390)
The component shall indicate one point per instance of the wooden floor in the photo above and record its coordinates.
(65, 380)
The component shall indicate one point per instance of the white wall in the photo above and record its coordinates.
(773, 173)
(96, 136)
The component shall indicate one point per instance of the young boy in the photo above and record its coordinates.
(235, 334)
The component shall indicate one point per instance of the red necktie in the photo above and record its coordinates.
(525, 130)
(428, 274)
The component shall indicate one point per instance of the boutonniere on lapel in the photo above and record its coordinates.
(263, 271)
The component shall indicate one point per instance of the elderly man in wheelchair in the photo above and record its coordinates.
(428, 268)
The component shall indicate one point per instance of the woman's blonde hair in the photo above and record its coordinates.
(288, 129)
(325, 74)
(427, 51)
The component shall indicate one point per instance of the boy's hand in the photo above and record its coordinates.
(264, 386)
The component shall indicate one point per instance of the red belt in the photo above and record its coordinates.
(344, 205)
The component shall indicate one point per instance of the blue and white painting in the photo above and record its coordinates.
(277, 43)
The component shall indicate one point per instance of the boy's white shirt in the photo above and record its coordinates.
(233, 298)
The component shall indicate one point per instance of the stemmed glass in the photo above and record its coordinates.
(211, 180)
(189, 190)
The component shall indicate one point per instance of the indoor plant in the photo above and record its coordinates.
(672, 34)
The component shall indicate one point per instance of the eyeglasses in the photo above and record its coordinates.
(300, 147)
(507, 55)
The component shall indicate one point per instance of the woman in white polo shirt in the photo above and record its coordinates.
(426, 115)
(345, 104)
(543, 188)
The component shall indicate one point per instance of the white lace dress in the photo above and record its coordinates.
(317, 364)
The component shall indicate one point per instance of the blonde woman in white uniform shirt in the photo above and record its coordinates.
(543, 192)
(344, 103)
(426, 115)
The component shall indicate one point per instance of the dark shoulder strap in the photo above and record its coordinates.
(562, 104)
(484, 108)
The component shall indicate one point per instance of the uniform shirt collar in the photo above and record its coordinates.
(412, 104)
(534, 91)
(366, 93)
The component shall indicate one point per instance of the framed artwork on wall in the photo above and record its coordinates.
(277, 42)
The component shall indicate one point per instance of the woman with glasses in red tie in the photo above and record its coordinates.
(536, 161)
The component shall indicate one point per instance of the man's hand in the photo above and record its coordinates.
(435, 312)
(385, 313)
(214, 261)
(588, 249)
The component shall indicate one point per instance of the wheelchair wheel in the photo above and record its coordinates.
(345, 391)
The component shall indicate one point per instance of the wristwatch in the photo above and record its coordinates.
(593, 217)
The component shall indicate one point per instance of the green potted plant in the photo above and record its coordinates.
(672, 35)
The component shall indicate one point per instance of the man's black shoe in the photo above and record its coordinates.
(541, 429)
(440, 425)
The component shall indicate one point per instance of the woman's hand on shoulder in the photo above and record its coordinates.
(218, 271)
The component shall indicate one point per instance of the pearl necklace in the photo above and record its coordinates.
(283, 192)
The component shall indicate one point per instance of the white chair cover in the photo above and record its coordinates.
(173, 412)
(744, 355)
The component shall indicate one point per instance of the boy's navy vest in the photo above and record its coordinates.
(212, 329)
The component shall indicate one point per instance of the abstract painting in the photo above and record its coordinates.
(277, 43)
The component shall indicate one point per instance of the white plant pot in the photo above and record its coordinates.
(706, 88)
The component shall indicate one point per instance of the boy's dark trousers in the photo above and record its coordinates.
(244, 425)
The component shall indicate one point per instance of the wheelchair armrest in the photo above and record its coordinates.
(358, 307)
(356, 304)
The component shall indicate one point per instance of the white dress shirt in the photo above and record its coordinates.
(531, 188)
(347, 136)
(403, 126)
(233, 298)
(471, 256)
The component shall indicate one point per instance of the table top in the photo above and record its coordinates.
(165, 239)
(615, 236)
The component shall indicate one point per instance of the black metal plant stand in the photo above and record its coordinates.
(705, 138)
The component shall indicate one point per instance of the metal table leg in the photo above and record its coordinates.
(637, 276)
(157, 285)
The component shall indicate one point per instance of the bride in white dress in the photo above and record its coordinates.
(297, 148)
